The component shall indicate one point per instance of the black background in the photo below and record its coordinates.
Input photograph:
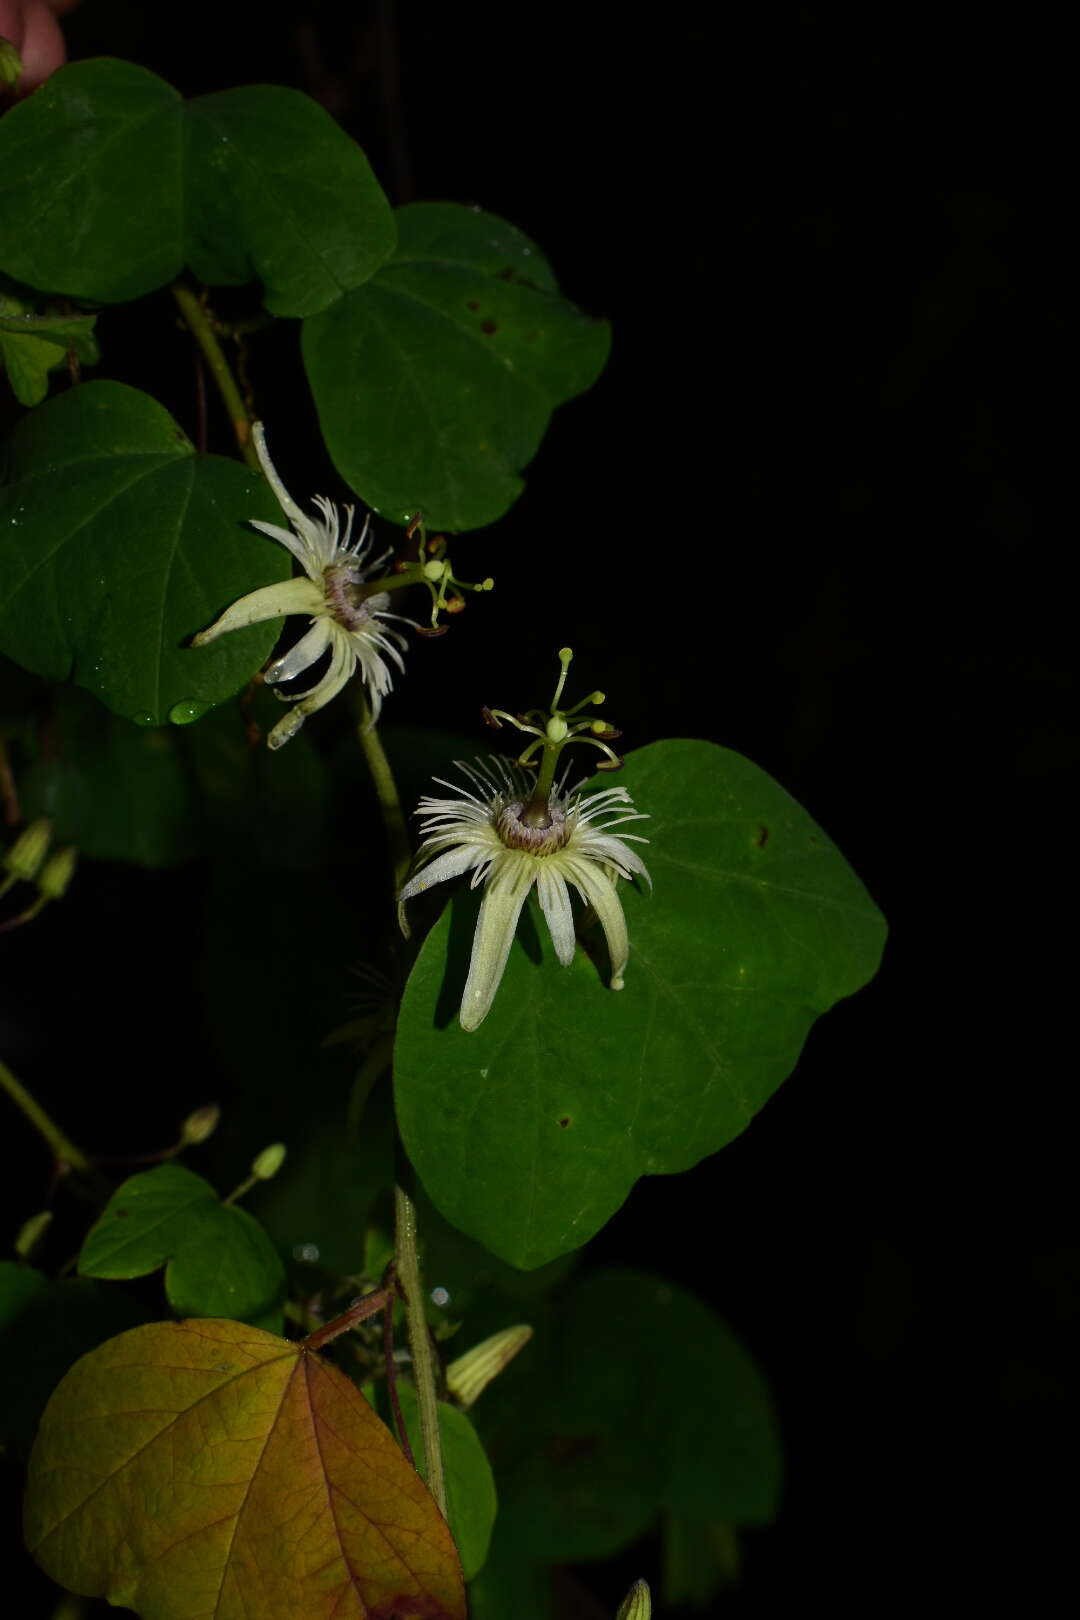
(814, 510)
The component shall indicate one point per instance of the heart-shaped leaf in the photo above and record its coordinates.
(530, 1132)
(435, 381)
(219, 1258)
(117, 543)
(256, 182)
(93, 158)
(189, 1469)
(277, 191)
(637, 1402)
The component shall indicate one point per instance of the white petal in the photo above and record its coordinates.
(499, 912)
(598, 890)
(302, 550)
(284, 499)
(269, 602)
(451, 864)
(555, 904)
(342, 664)
(306, 652)
(310, 533)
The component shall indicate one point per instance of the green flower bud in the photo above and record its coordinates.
(269, 1162)
(637, 1604)
(57, 872)
(469, 1376)
(10, 65)
(199, 1125)
(31, 1233)
(28, 851)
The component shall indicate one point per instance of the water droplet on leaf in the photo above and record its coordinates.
(182, 714)
(142, 718)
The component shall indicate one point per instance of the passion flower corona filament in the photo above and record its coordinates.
(491, 830)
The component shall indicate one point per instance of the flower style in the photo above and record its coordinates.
(351, 627)
(490, 832)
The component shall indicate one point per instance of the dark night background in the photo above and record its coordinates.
(814, 510)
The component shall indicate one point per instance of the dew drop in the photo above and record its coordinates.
(182, 714)
(142, 718)
(440, 1296)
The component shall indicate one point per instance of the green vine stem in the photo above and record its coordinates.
(407, 1265)
(64, 1150)
(386, 791)
(406, 1257)
(202, 330)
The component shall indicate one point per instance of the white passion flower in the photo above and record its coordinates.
(353, 631)
(483, 832)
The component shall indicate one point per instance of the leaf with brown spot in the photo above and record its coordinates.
(204, 1470)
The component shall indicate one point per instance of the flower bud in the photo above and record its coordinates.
(200, 1125)
(637, 1604)
(10, 65)
(57, 872)
(28, 851)
(269, 1162)
(31, 1233)
(470, 1374)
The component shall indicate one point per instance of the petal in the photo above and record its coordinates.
(307, 651)
(270, 473)
(301, 548)
(310, 533)
(342, 664)
(269, 602)
(598, 890)
(451, 864)
(555, 904)
(499, 913)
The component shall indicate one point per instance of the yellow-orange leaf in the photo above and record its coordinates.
(204, 1470)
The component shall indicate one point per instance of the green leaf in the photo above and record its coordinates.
(293, 200)
(251, 182)
(28, 359)
(118, 792)
(698, 1559)
(117, 543)
(45, 1327)
(436, 380)
(220, 1262)
(529, 1133)
(95, 157)
(470, 1484)
(65, 331)
(31, 345)
(637, 1402)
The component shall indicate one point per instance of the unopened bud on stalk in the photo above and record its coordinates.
(200, 1125)
(469, 1376)
(269, 1162)
(28, 851)
(57, 873)
(637, 1604)
(31, 1233)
